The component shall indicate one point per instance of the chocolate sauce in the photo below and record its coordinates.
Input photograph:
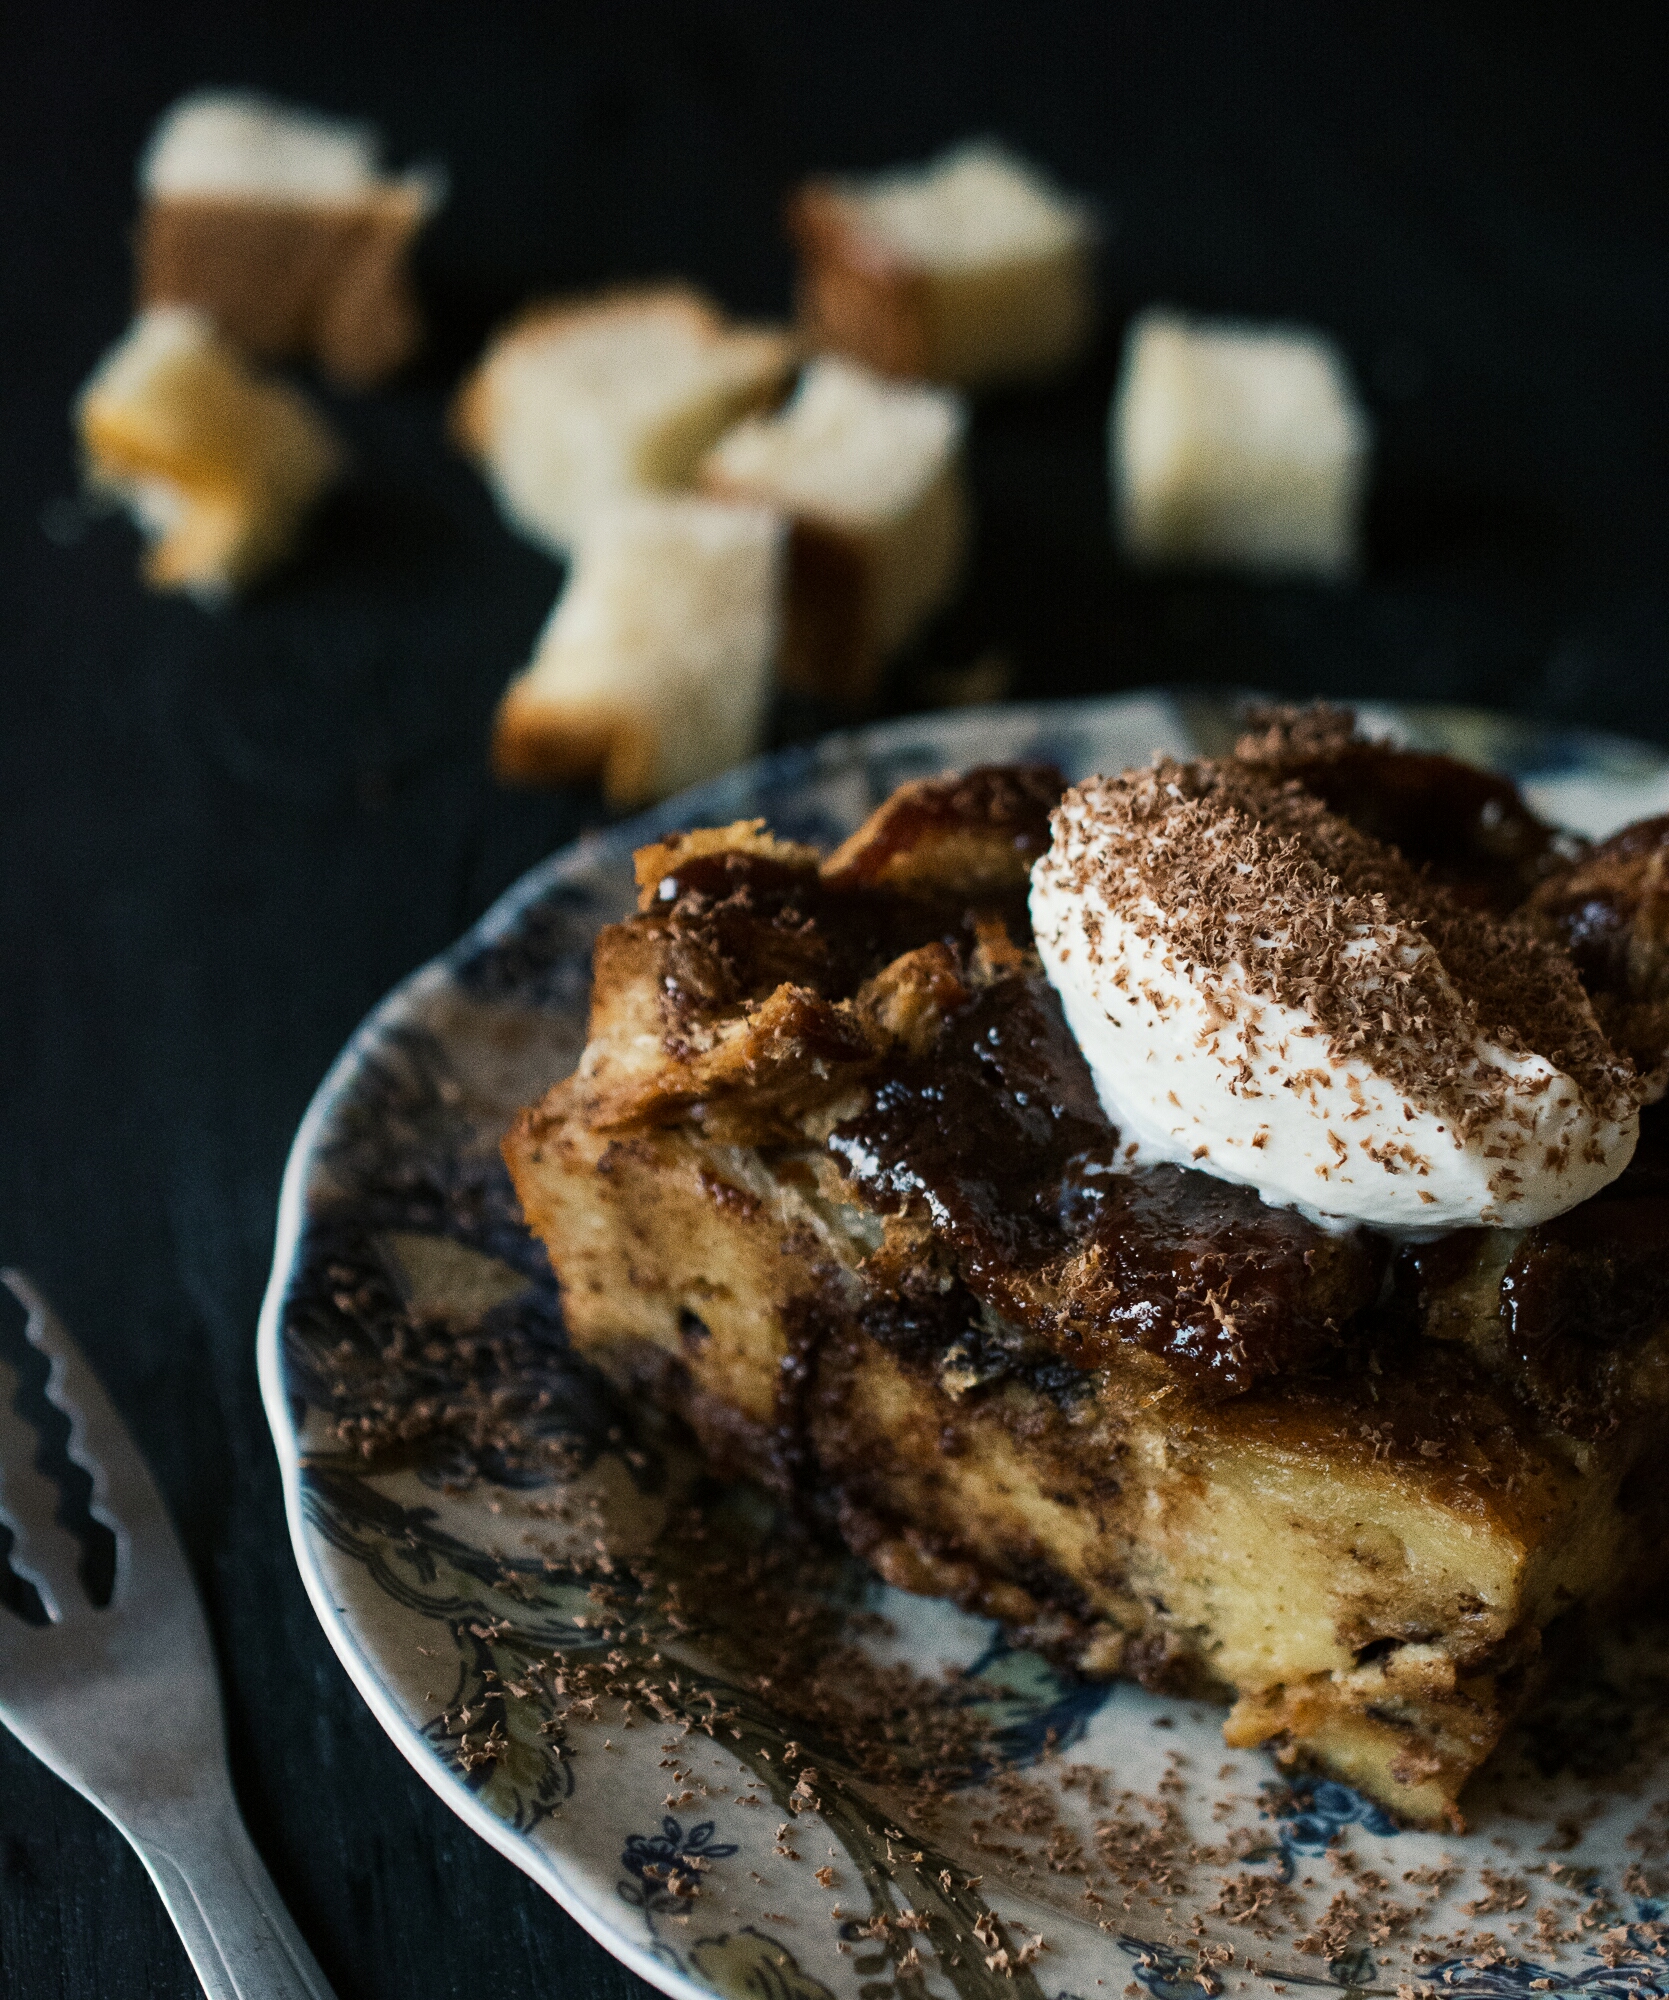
(977, 1134)
(997, 1139)
(1230, 1291)
(1610, 910)
(1598, 907)
(740, 925)
(1579, 1299)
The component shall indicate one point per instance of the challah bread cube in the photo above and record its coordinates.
(655, 669)
(282, 225)
(972, 269)
(1237, 445)
(217, 466)
(580, 403)
(870, 475)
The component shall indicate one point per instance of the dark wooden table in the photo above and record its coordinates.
(225, 836)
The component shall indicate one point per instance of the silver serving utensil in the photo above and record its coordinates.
(124, 1702)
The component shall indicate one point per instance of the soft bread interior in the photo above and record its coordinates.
(655, 667)
(216, 465)
(238, 146)
(577, 406)
(849, 447)
(977, 205)
(1237, 444)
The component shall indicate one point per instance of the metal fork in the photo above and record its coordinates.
(124, 1702)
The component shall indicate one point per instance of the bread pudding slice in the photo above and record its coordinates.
(831, 1183)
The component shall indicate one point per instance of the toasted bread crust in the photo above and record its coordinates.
(830, 648)
(467, 417)
(538, 740)
(286, 280)
(1015, 321)
(851, 296)
(652, 864)
(978, 833)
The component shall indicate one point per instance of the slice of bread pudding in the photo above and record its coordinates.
(832, 1183)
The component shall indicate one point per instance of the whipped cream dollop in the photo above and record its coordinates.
(1265, 994)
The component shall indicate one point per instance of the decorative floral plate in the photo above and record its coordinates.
(686, 1817)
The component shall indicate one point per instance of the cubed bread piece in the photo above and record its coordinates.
(282, 225)
(582, 402)
(870, 474)
(217, 466)
(655, 668)
(973, 268)
(1237, 445)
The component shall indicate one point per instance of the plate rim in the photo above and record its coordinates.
(847, 746)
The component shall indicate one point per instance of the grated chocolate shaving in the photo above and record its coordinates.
(1229, 867)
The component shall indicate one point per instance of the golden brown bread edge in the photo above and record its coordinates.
(1368, 1569)
(1005, 322)
(538, 742)
(329, 282)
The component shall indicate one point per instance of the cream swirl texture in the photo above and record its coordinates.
(1267, 995)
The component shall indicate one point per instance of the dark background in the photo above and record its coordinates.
(225, 836)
